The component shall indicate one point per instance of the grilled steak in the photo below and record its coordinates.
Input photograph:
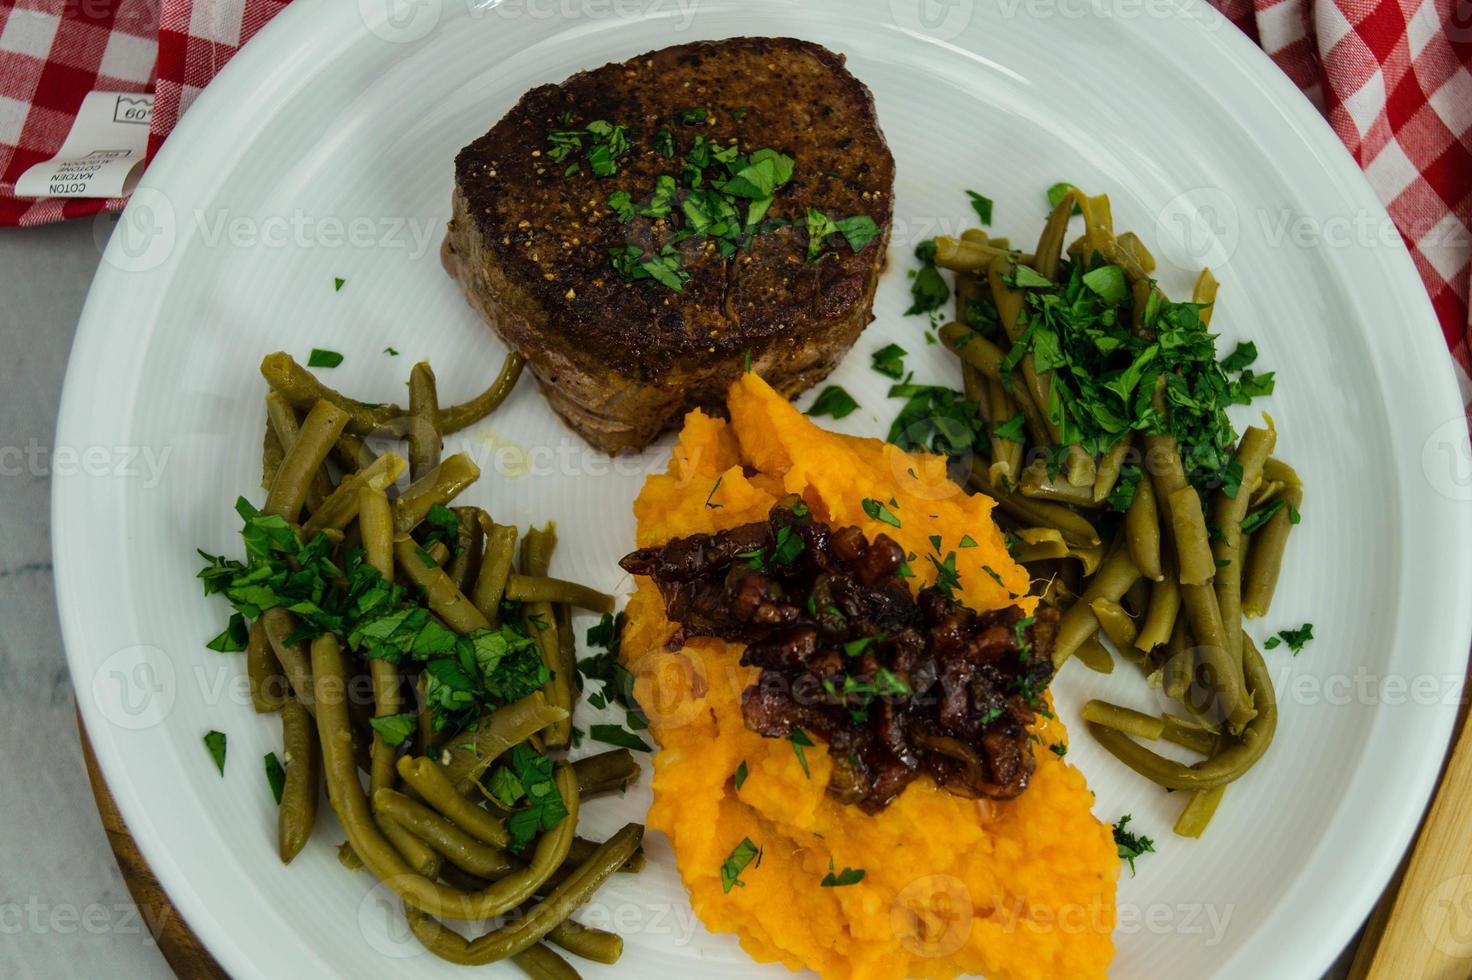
(535, 242)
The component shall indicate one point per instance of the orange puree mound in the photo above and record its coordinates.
(1023, 888)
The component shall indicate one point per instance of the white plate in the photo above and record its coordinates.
(324, 150)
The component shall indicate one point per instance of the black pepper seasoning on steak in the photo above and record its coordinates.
(898, 685)
(530, 237)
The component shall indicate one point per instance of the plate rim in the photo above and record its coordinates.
(312, 26)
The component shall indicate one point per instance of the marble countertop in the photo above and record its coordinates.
(64, 910)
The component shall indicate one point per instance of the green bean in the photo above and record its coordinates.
(1234, 759)
(351, 804)
(1009, 301)
(1107, 474)
(495, 569)
(447, 602)
(1179, 662)
(447, 838)
(439, 486)
(1111, 581)
(1089, 558)
(271, 454)
(1228, 513)
(469, 543)
(541, 625)
(960, 255)
(536, 588)
(537, 548)
(429, 780)
(462, 416)
(1122, 719)
(1039, 544)
(1036, 483)
(424, 421)
(540, 963)
(348, 858)
(975, 385)
(1265, 556)
(1006, 453)
(606, 772)
(1050, 242)
(591, 944)
(1092, 654)
(419, 856)
(967, 287)
(438, 554)
(341, 506)
(1131, 243)
(523, 932)
(352, 453)
(281, 419)
(303, 458)
(1280, 472)
(505, 727)
(1075, 529)
(1224, 672)
(375, 521)
(1160, 617)
(580, 851)
(1193, 544)
(1137, 599)
(302, 389)
(297, 813)
(1188, 734)
(985, 357)
(1142, 531)
(263, 671)
(424, 717)
(1115, 622)
(293, 657)
(1199, 809)
(1202, 294)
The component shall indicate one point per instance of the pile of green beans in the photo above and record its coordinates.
(424, 825)
(1169, 582)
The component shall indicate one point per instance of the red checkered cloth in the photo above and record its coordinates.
(1393, 76)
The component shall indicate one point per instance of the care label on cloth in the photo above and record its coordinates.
(102, 154)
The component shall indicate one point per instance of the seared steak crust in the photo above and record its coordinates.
(621, 360)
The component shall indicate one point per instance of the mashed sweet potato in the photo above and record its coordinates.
(1023, 888)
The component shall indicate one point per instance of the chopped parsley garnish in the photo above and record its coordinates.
(967, 541)
(1013, 429)
(947, 579)
(663, 266)
(1130, 844)
(622, 205)
(710, 496)
(879, 512)
(889, 361)
(1059, 749)
(692, 116)
(1123, 493)
(740, 777)
(992, 572)
(928, 291)
(275, 775)
(664, 144)
(320, 358)
(1056, 193)
(617, 680)
(1019, 631)
(833, 401)
(787, 547)
(233, 638)
(983, 206)
(856, 647)
(465, 675)
(848, 876)
(526, 778)
(858, 230)
(1296, 639)
(391, 352)
(1261, 516)
(939, 419)
(394, 729)
(337, 284)
(1294, 517)
(618, 735)
(215, 743)
(741, 855)
(601, 142)
(800, 740)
